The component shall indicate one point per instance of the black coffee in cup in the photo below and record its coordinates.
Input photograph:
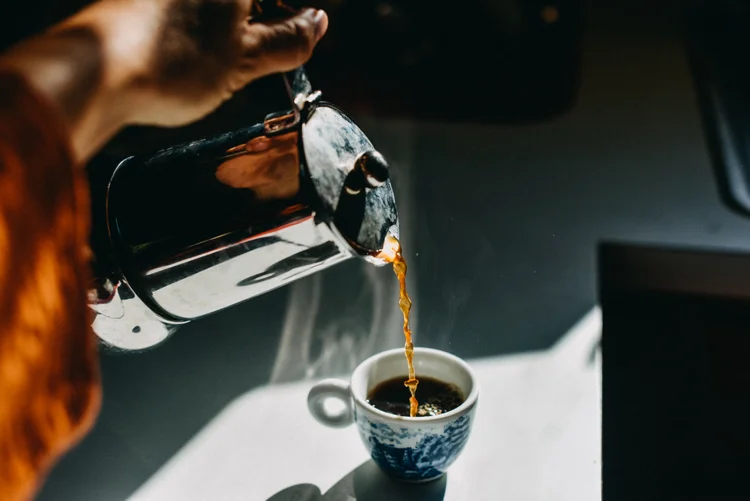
(435, 397)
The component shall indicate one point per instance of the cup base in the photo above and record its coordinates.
(414, 480)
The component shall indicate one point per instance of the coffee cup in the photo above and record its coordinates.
(413, 449)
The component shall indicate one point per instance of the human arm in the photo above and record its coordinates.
(63, 94)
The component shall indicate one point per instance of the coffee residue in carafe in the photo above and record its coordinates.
(395, 256)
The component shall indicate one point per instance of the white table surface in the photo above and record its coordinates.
(537, 436)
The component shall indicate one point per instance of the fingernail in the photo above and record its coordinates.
(321, 24)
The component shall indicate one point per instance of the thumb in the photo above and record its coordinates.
(282, 45)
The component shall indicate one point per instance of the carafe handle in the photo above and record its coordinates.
(298, 86)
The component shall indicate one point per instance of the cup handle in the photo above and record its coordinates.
(334, 389)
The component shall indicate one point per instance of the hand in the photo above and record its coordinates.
(177, 60)
(157, 62)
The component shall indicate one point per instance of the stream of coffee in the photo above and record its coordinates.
(404, 303)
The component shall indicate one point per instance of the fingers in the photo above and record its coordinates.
(282, 45)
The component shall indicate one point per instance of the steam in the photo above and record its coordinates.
(328, 331)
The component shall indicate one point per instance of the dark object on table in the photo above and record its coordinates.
(479, 60)
(675, 345)
(718, 39)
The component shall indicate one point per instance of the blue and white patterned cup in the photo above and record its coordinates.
(411, 449)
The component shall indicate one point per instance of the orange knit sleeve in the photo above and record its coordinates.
(49, 379)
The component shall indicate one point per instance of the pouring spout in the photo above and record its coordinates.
(391, 248)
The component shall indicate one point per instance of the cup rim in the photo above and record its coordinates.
(467, 404)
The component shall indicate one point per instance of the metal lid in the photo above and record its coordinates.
(350, 178)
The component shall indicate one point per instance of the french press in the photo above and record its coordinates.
(201, 226)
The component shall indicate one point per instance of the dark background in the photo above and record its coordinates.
(675, 346)
(516, 145)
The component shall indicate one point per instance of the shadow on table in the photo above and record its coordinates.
(366, 483)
